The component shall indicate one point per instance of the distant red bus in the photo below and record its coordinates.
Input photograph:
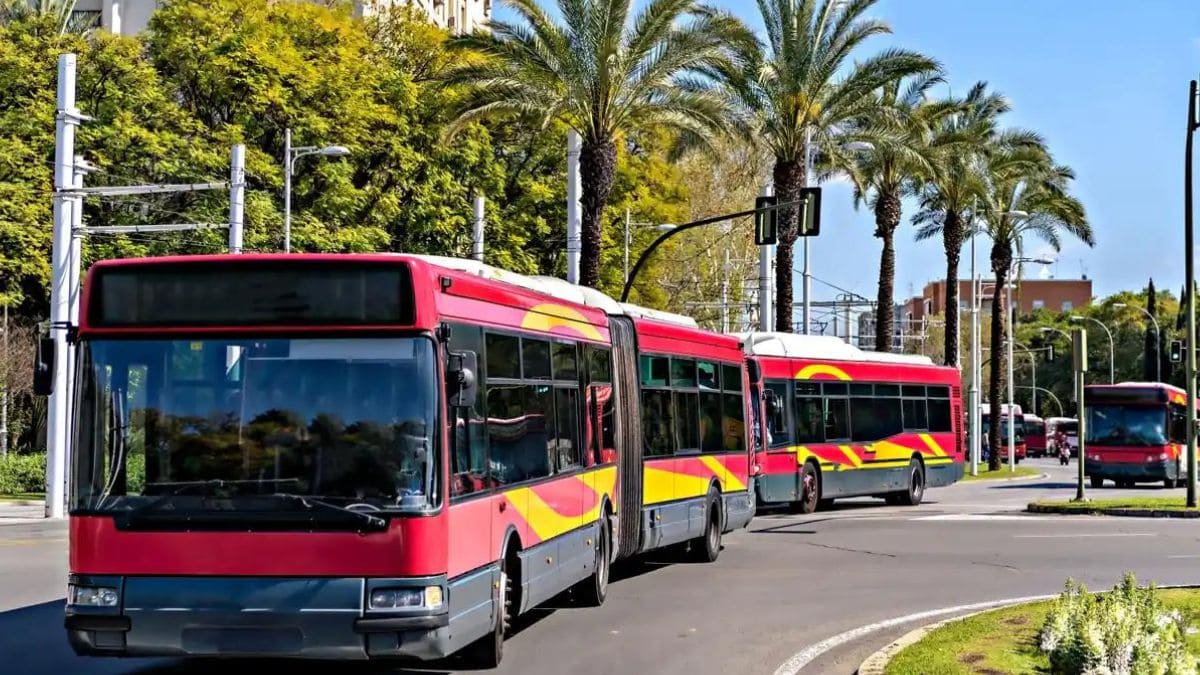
(1135, 432)
(1020, 448)
(843, 422)
(1035, 435)
(379, 456)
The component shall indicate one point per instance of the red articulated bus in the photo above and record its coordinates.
(1135, 432)
(844, 422)
(374, 456)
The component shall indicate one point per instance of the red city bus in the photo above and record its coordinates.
(1035, 435)
(373, 456)
(1018, 424)
(1135, 432)
(844, 422)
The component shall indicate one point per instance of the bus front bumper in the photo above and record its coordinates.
(318, 618)
(1136, 471)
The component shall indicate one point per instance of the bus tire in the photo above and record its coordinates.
(825, 504)
(591, 592)
(1168, 483)
(1097, 482)
(916, 485)
(707, 547)
(810, 489)
(487, 651)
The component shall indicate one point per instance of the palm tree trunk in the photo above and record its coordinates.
(597, 164)
(952, 239)
(887, 218)
(1001, 261)
(789, 180)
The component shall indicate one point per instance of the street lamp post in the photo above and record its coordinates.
(1157, 337)
(629, 226)
(290, 155)
(1010, 311)
(1111, 351)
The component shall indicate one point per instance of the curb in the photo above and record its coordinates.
(20, 502)
(876, 663)
(1097, 511)
(1039, 476)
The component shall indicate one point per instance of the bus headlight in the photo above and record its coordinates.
(1161, 457)
(429, 597)
(94, 596)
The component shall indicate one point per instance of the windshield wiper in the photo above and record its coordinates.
(181, 487)
(312, 503)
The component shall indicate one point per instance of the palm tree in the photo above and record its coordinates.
(606, 73)
(801, 90)
(1027, 195)
(62, 12)
(901, 157)
(946, 199)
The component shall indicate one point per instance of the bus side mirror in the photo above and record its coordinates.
(462, 383)
(774, 405)
(43, 367)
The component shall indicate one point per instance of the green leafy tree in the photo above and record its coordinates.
(801, 88)
(903, 155)
(1027, 196)
(604, 72)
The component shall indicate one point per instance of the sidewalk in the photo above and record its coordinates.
(18, 512)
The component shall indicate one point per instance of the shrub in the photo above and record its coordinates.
(1125, 632)
(22, 473)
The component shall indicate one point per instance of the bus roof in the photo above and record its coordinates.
(556, 288)
(822, 347)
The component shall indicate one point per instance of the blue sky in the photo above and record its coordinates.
(1104, 81)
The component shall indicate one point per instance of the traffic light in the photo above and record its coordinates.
(810, 221)
(766, 223)
(1176, 351)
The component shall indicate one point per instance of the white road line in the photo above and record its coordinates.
(1177, 557)
(1085, 536)
(809, 654)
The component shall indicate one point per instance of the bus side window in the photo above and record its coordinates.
(468, 433)
(777, 414)
(1178, 427)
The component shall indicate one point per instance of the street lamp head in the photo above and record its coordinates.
(665, 227)
(1075, 317)
(334, 151)
(1120, 305)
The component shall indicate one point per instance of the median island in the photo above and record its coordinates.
(1002, 473)
(1131, 629)
(1145, 507)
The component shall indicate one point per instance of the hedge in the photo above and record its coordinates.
(22, 473)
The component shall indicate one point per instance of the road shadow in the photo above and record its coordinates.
(1026, 485)
(33, 642)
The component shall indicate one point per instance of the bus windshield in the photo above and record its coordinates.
(1018, 425)
(251, 426)
(1125, 425)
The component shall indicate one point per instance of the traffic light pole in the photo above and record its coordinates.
(641, 261)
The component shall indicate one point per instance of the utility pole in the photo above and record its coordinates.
(626, 248)
(65, 265)
(477, 229)
(766, 314)
(237, 196)
(60, 293)
(807, 287)
(7, 384)
(574, 225)
(1189, 251)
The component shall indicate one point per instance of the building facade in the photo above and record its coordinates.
(130, 17)
(1055, 295)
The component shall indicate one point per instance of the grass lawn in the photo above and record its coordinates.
(1002, 474)
(1174, 503)
(1005, 641)
(37, 496)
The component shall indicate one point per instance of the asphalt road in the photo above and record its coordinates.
(785, 584)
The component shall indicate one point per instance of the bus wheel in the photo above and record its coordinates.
(592, 591)
(810, 490)
(916, 485)
(1097, 482)
(708, 546)
(486, 652)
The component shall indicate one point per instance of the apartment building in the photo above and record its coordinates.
(1055, 295)
(130, 17)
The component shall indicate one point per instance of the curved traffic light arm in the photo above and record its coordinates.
(637, 267)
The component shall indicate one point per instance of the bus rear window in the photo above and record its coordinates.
(269, 293)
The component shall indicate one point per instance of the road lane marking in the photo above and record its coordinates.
(1085, 536)
(810, 654)
(29, 542)
(1176, 557)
